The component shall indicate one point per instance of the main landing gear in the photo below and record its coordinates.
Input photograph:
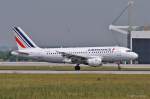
(77, 67)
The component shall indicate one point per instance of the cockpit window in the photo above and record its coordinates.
(128, 51)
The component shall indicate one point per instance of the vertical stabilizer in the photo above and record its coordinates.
(22, 39)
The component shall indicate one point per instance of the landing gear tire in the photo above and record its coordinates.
(77, 68)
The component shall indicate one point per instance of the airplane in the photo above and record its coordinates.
(92, 56)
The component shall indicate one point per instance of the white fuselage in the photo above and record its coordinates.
(108, 54)
(92, 56)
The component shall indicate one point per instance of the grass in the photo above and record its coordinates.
(71, 86)
(67, 68)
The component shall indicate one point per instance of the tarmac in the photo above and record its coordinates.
(61, 64)
(68, 72)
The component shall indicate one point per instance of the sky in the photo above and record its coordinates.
(69, 22)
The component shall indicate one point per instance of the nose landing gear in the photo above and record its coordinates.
(118, 64)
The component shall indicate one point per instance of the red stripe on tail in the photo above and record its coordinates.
(20, 43)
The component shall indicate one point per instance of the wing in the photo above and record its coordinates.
(74, 58)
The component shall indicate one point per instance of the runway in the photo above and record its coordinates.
(70, 72)
(57, 64)
(31, 64)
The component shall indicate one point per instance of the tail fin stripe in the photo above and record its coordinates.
(20, 43)
(24, 37)
(21, 38)
(24, 43)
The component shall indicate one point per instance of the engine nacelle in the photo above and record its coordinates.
(94, 62)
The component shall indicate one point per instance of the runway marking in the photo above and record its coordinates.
(70, 72)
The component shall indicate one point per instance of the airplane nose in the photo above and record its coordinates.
(135, 55)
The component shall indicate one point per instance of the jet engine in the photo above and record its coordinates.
(94, 62)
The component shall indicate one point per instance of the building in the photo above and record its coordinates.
(140, 43)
